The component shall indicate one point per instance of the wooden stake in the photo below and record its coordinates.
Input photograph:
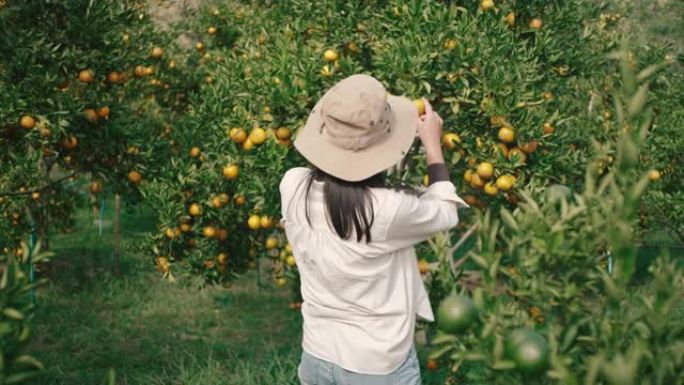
(117, 234)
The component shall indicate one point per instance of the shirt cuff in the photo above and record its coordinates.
(437, 172)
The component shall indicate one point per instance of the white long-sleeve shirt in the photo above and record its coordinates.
(361, 299)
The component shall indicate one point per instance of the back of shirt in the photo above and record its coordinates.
(361, 299)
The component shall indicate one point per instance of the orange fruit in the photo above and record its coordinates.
(506, 134)
(420, 105)
(505, 182)
(510, 19)
(222, 258)
(503, 149)
(35, 196)
(450, 139)
(254, 222)
(199, 46)
(86, 76)
(139, 71)
(257, 135)
(280, 282)
(476, 181)
(283, 133)
(134, 177)
(211, 30)
(487, 5)
(290, 260)
(115, 77)
(195, 210)
(326, 71)
(468, 175)
(330, 55)
(450, 44)
(432, 364)
(491, 189)
(515, 151)
(654, 175)
(185, 227)
(231, 171)
(485, 170)
(247, 144)
(195, 152)
(216, 202)
(224, 198)
(237, 134)
(157, 52)
(222, 234)
(103, 112)
(271, 243)
(266, 222)
(240, 200)
(209, 232)
(27, 122)
(536, 23)
(529, 147)
(548, 128)
(90, 115)
(423, 266)
(95, 187)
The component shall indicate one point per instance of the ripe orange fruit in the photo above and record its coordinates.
(185, 227)
(432, 364)
(222, 258)
(195, 152)
(450, 139)
(654, 175)
(209, 264)
(257, 135)
(468, 175)
(134, 177)
(487, 5)
(139, 71)
(211, 30)
(502, 149)
(266, 222)
(163, 264)
(195, 210)
(209, 232)
(238, 134)
(157, 52)
(517, 152)
(420, 105)
(224, 198)
(199, 46)
(326, 71)
(290, 260)
(510, 19)
(254, 222)
(70, 142)
(86, 76)
(90, 115)
(115, 77)
(247, 144)
(171, 233)
(491, 189)
(231, 171)
(330, 55)
(283, 133)
(271, 243)
(280, 282)
(548, 128)
(149, 71)
(35, 196)
(27, 122)
(353, 47)
(450, 44)
(423, 266)
(222, 234)
(505, 182)
(536, 23)
(103, 112)
(216, 202)
(476, 181)
(529, 147)
(485, 170)
(506, 134)
(95, 187)
(240, 200)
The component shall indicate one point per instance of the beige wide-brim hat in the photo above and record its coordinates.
(357, 129)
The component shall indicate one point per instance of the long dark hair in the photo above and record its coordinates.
(348, 205)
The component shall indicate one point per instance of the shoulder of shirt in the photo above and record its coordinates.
(294, 176)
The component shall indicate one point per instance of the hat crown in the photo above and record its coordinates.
(355, 113)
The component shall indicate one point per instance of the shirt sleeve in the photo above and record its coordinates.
(417, 218)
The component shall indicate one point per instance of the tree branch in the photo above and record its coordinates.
(37, 189)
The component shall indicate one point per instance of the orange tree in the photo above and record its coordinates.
(552, 298)
(84, 93)
(512, 79)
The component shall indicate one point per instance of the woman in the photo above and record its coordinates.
(353, 237)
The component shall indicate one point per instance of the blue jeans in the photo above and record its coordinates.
(314, 371)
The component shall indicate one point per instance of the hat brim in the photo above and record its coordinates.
(357, 165)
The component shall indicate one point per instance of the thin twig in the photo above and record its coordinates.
(37, 189)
